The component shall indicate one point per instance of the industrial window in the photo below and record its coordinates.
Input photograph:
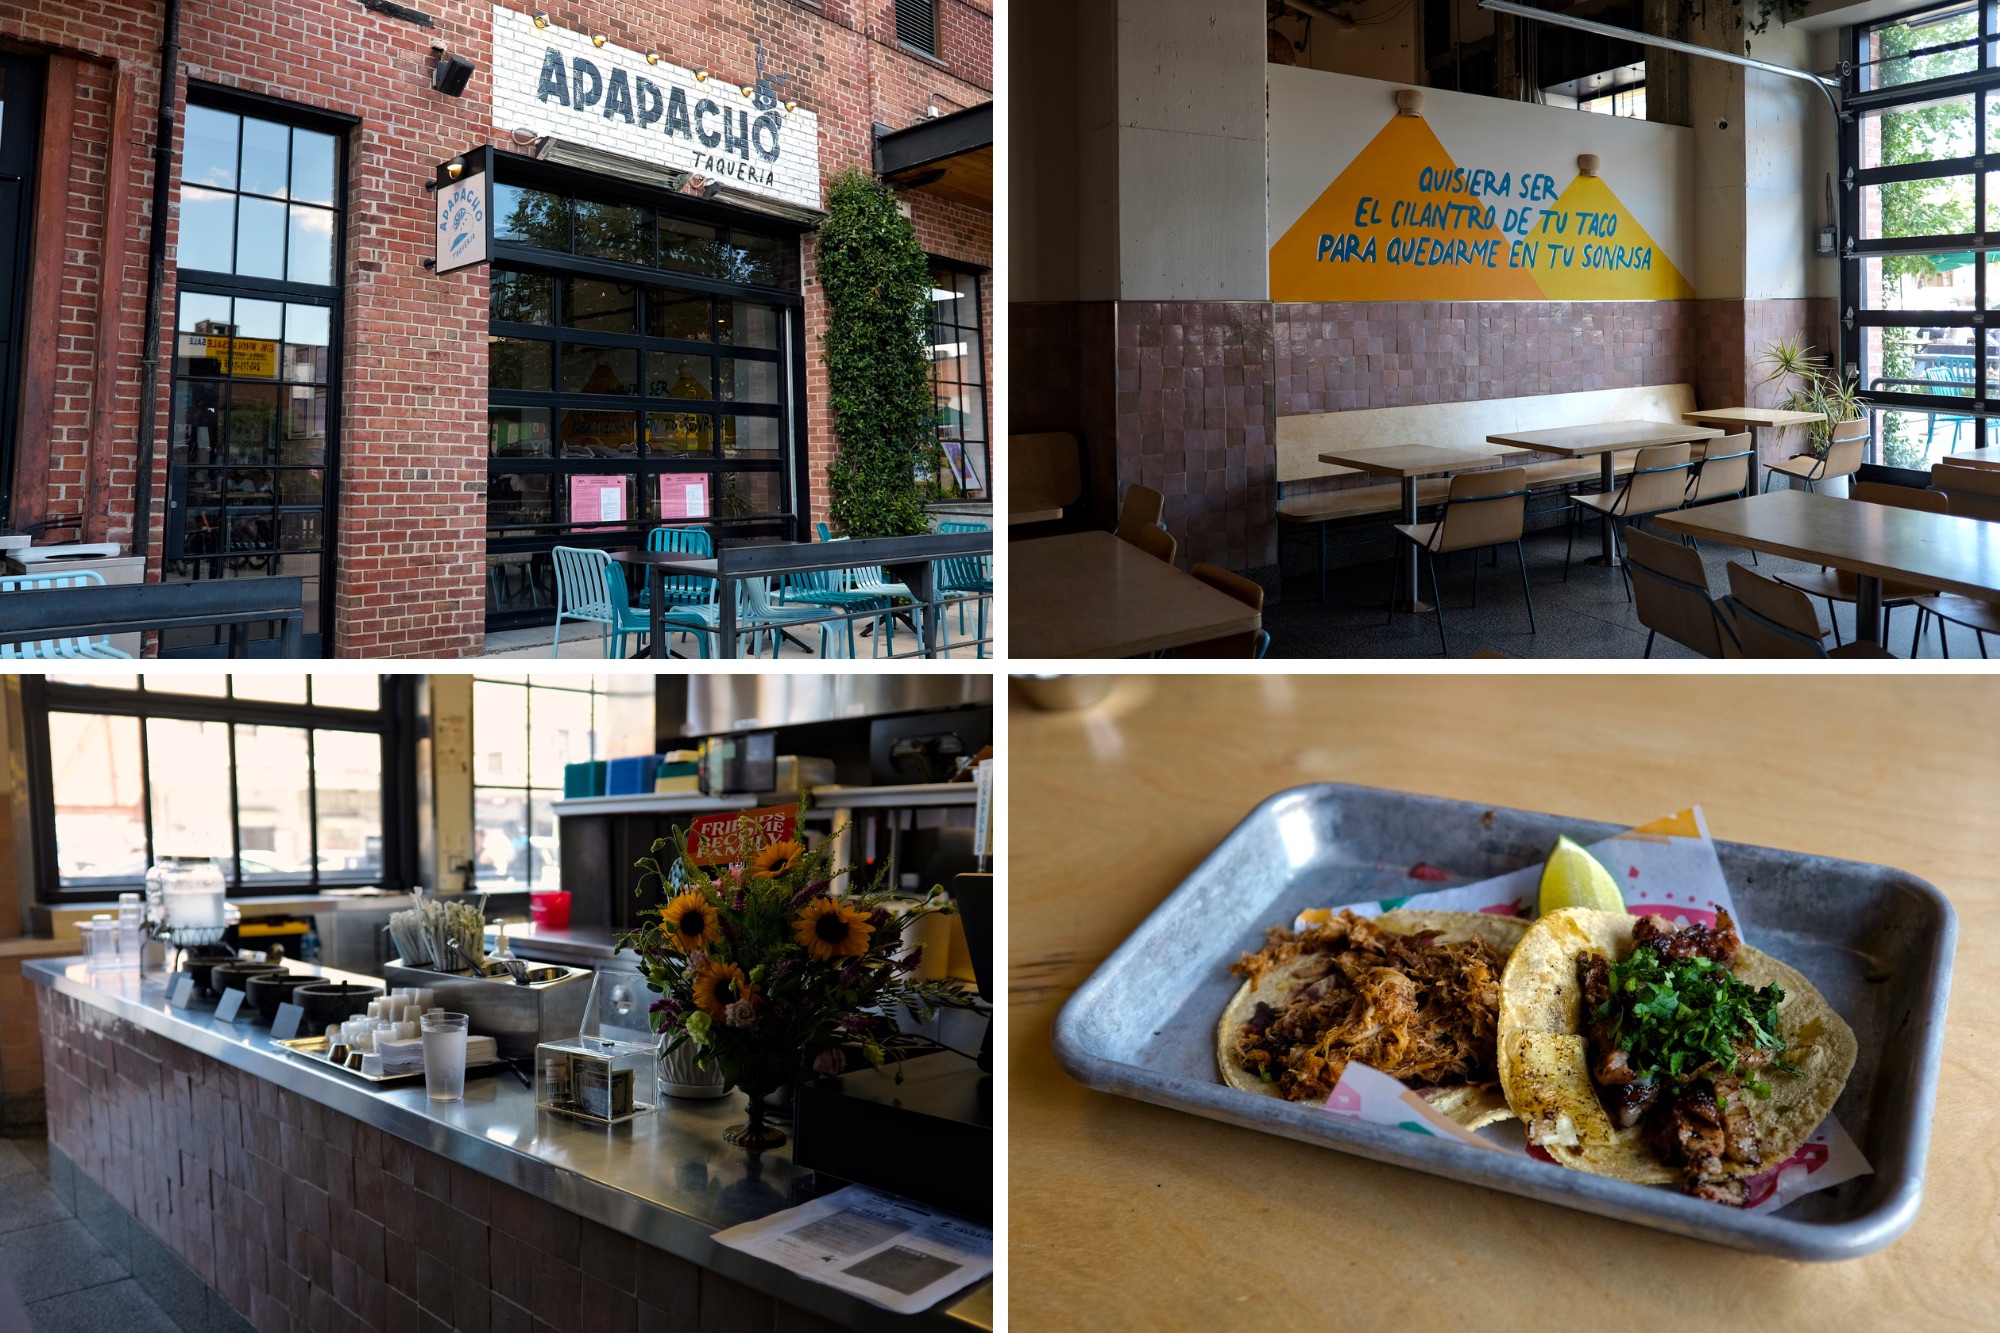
(523, 736)
(253, 446)
(640, 369)
(958, 369)
(284, 780)
(917, 25)
(1918, 217)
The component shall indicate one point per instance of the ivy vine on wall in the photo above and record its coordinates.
(877, 283)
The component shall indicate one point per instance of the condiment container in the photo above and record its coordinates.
(592, 1078)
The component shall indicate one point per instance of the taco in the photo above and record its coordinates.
(1636, 1050)
(1414, 994)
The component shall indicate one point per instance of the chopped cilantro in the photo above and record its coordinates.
(1685, 1017)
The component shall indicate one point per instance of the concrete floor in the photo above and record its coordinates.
(584, 642)
(1588, 617)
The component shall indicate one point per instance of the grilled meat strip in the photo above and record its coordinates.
(1702, 1126)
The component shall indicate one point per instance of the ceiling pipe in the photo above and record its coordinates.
(1824, 83)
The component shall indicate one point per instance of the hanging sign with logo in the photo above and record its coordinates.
(728, 839)
(465, 210)
(551, 81)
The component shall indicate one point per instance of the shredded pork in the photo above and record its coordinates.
(1416, 1008)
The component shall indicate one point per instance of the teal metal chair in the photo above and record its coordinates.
(963, 579)
(685, 592)
(590, 586)
(51, 649)
(1948, 370)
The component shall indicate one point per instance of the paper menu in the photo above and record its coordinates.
(1668, 867)
(597, 499)
(892, 1252)
(684, 496)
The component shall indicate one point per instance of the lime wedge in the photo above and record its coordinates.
(1573, 878)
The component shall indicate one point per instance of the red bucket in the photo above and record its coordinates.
(550, 910)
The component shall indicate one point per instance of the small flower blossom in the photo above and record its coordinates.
(858, 1022)
(851, 974)
(830, 1062)
(697, 960)
(740, 1014)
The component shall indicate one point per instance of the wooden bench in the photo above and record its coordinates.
(1302, 439)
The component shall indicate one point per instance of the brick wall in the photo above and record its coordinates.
(304, 1218)
(413, 478)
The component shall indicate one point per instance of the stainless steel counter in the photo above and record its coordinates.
(583, 946)
(666, 1179)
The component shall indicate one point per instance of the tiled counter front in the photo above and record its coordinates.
(303, 1218)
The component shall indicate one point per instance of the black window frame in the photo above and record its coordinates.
(393, 720)
(978, 274)
(1983, 243)
(790, 465)
(177, 562)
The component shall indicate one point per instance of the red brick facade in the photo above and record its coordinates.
(410, 565)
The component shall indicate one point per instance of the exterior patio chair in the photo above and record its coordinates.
(1658, 482)
(50, 649)
(1772, 620)
(1841, 459)
(1481, 509)
(963, 579)
(590, 586)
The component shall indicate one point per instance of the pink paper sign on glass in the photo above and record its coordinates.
(684, 497)
(597, 499)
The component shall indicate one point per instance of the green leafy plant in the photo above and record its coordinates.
(1686, 1017)
(763, 966)
(1810, 384)
(877, 284)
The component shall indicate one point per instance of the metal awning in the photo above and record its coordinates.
(949, 156)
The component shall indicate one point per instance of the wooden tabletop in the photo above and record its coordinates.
(1987, 457)
(1416, 460)
(1752, 416)
(1954, 554)
(1090, 595)
(1124, 1215)
(1604, 437)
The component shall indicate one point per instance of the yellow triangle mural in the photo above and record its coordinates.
(1604, 254)
(1374, 235)
(1403, 222)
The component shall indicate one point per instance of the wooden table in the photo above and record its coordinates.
(1605, 439)
(1987, 457)
(1129, 1216)
(1870, 541)
(1016, 516)
(658, 564)
(1407, 462)
(1089, 594)
(1752, 418)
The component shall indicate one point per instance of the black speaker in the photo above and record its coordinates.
(450, 75)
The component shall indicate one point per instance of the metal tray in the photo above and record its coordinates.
(1877, 942)
(314, 1049)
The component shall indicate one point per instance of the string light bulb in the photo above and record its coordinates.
(455, 168)
(541, 18)
(652, 57)
(791, 106)
(597, 39)
(746, 90)
(701, 76)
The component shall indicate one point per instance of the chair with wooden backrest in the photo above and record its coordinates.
(1659, 482)
(1141, 508)
(1979, 616)
(1723, 472)
(1772, 620)
(1250, 644)
(1841, 459)
(1671, 594)
(1835, 586)
(1044, 475)
(1974, 491)
(1157, 542)
(1482, 509)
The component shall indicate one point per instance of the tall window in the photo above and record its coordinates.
(253, 447)
(1917, 272)
(523, 736)
(917, 25)
(958, 366)
(280, 778)
(640, 369)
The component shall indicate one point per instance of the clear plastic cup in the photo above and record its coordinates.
(444, 1056)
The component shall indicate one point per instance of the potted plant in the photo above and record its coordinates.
(765, 970)
(1808, 383)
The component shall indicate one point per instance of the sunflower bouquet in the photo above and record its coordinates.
(764, 969)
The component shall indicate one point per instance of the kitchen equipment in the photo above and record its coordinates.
(549, 910)
(798, 772)
(192, 890)
(204, 958)
(926, 747)
(326, 1003)
(236, 976)
(518, 1017)
(1876, 942)
(733, 764)
(272, 989)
